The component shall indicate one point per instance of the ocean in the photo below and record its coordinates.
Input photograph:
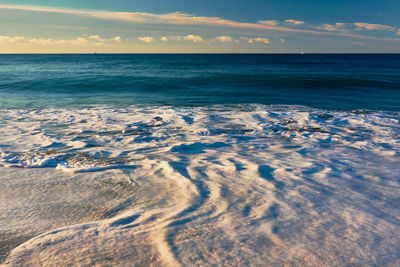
(200, 159)
(334, 82)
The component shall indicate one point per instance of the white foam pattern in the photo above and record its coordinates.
(222, 185)
(99, 138)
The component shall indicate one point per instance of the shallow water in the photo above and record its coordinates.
(222, 184)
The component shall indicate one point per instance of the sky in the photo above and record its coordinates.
(207, 26)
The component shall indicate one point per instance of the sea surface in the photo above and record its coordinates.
(200, 160)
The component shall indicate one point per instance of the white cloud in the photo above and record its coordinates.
(79, 41)
(117, 39)
(268, 22)
(256, 40)
(329, 27)
(146, 39)
(182, 19)
(42, 41)
(282, 40)
(223, 38)
(369, 26)
(338, 27)
(101, 40)
(193, 38)
(346, 27)
(295, 22)
(261, 40)
(11, 40)
(176, 18)
(97, 38)
(190, 37)
(359, 25)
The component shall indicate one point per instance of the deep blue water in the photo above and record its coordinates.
(331, 81)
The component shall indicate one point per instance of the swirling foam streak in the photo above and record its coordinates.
(224, 185)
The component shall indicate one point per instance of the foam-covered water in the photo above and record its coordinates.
(90, 139)
(221, 184)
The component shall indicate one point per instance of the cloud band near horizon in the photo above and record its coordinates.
(178, 18)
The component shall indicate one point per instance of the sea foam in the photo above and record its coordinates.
(236, 184)
(100, 138)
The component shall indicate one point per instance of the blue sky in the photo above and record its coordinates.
(199, 26)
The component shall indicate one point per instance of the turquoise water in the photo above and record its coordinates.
(346, 82)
